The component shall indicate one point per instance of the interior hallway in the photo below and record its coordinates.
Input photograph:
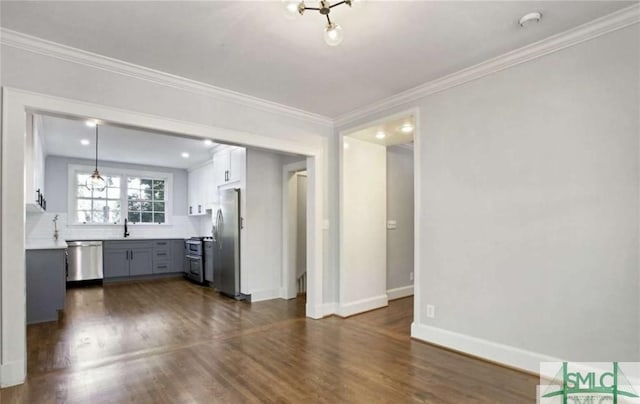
(170, 341)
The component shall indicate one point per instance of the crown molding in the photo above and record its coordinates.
(52, 49)
(595, 28)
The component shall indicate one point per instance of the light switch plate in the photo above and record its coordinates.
(392, 224)
(431, 311)
(325, 224)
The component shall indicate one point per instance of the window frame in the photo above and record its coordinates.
(124, 174)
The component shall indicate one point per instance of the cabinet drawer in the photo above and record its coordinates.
(161, 244)
(162, 254)
(163, 267)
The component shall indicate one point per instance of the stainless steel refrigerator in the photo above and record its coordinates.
(226, 240)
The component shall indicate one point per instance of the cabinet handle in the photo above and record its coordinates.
(226, 175)
(127, 255)
(131, 255)
(190, 209)
(199, 208)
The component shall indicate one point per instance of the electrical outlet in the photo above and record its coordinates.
(431, 311)
(410, 276)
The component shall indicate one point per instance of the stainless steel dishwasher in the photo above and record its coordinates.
(84, 260)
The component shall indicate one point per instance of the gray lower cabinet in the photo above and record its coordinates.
(116, 263)
(129, 258)
(46, 284)
(178, 255)
(140, 262)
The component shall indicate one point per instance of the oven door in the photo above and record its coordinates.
(194, 247)
(195, 270)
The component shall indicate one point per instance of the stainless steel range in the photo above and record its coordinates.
(195, 259)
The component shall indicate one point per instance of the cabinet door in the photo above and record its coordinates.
(191, 187)
(116, 263)
(178, 255)
(220, 167)
(237, 165)
(141, 261)
(209, 186)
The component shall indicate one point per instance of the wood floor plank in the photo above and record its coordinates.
(170, 341)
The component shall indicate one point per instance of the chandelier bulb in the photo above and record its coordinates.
(333, 34)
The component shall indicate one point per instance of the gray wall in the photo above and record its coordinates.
(56, 177)
(400, 208)
(530, 191)
(262, 251)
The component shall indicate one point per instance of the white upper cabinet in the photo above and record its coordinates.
(229, 165)
(34, 166)
(201, 190)
(237, 164)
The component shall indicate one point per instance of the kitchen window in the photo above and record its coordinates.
(141, 197)
(145, 200)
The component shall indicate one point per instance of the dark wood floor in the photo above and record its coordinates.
(170, 341)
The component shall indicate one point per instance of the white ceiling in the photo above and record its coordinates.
(391, 129)
(250, 47)
(62, 138)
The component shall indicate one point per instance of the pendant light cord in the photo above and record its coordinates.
(96, 147)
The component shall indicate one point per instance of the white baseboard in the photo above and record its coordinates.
(329, 309)
(360, 306)
(12, 373)
(314, 312)
(489, 350)
(266, 294)
(398, 293)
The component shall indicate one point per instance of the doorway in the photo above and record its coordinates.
(16, 104)
(377, 236)
(294, 230)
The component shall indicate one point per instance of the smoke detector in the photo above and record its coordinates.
(530, 18)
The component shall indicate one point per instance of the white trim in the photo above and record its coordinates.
(289, 230)
(16, 102)
(485, 349)
(123, 173)
(266, 294)
(574, 36)
(11, 373)
(399, 293)
(361, 306)
(329, 309)
(44, 47)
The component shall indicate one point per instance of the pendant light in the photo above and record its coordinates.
(96, 182)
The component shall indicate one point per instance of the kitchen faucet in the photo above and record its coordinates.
(126, 231)
(55, 228)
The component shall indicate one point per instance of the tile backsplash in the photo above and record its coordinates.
(40, 226)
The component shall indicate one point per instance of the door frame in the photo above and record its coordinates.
(289, 230)
(344, 132)
(15, 105)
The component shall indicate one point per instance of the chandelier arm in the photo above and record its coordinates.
(328, 19)
(312, 8)
(337, 4)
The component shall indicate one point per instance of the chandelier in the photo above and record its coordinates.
(332, 32)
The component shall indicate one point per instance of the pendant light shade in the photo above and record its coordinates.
(96, 182)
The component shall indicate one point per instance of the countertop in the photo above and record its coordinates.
(120, 238)
(45, 244)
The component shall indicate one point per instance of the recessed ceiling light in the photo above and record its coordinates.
(380, 135)
(91, 123)
(406, 128)
(185, 155)
(85, 142)
(529, 18)
(208, 142)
